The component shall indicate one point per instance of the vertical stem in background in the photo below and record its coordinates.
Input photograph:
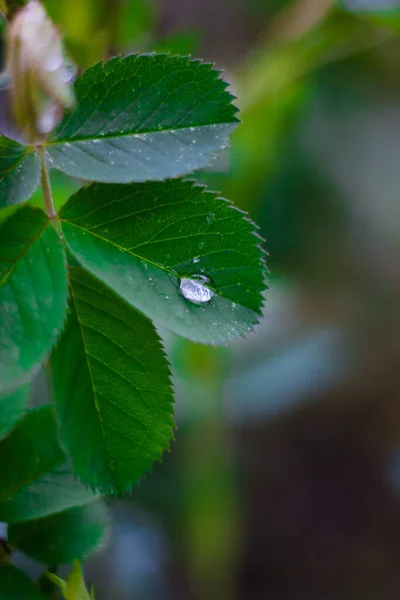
(109, 21)
(48, 196)
(211, 503)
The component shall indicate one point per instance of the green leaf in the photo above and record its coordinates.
(63, 537)
(19, 172)
(33, 294)
(143, 238)
(144, 117)
(36, 481)
(12, 408)
(16, 585)
(48, 587)
(76, 588)
(111, 387)
(57, 581)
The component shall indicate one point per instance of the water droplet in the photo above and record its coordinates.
(112, 465)
(210, 218)
(195, 289)
(196, 260)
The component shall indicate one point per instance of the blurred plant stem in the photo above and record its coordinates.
(211, 520)
(274, 83)
(109, 23)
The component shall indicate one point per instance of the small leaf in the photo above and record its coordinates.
(144, 117)
(57, 581)
(12, 408)
(33, 294)
(48, 587)
(149, 241)
(63, 537)
(76, 588)
(16, 585)
(111, 386)
(36, 481)
(19, 172)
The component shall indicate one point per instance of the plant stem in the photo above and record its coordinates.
(46, 186)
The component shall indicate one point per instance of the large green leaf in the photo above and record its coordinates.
(12, 408)
(144, 239)
(16, 585)
(33, 294)
(144, 117)
(19, 172)
(111, 387)
(35, 479)
(63, 537)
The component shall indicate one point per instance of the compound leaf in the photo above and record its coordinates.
(111, 387)
(33, 294)
(19, 172)
(144, 240)
(63, 537)
(36, 481)
(144, 117)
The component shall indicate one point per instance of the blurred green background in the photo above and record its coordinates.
(283, 482)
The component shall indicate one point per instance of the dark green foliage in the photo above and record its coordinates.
(12, 407)
(62, 537)
(166, 252)
(114, 401)
(144, 117)
(142, 239)
(33, 294)
(19, 172)
(14, 583)
(36, 478)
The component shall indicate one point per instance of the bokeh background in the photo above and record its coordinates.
(283, 482)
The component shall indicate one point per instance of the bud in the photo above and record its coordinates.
(40, 79)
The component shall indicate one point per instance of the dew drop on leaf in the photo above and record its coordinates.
(113, 465)
(195, 289)
(210, 218)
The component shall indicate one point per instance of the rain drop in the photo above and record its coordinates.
(195, 289)
(112, 465)
(196, 260)
(210, 218)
